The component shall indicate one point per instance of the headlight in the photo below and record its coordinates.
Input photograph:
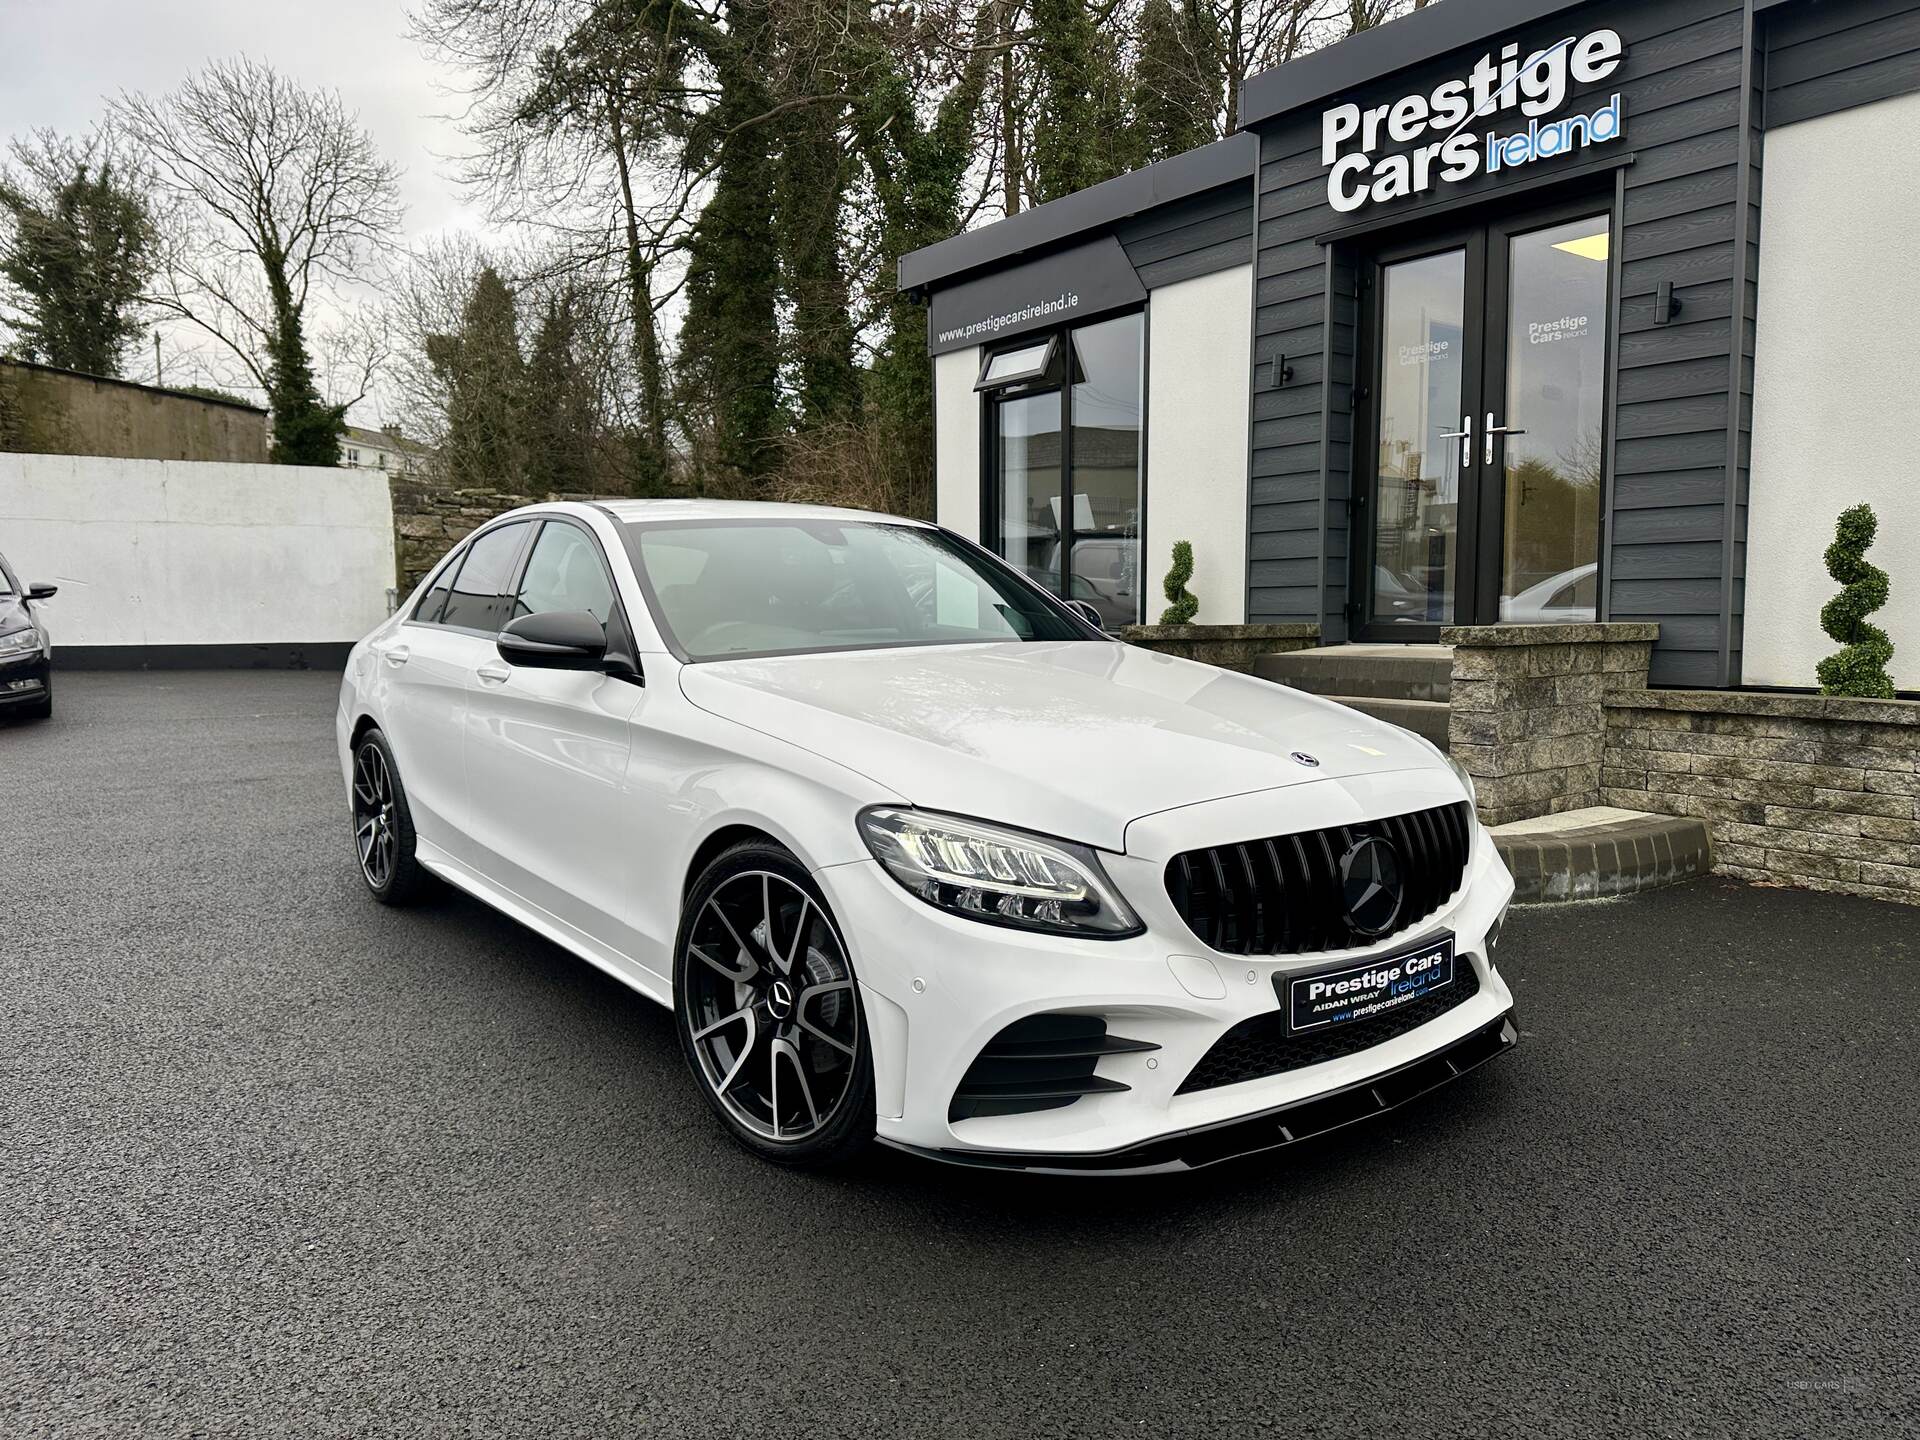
(1465, 779)
(19, 642)
(1004, 877)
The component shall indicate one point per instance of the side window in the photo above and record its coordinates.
(564, 572)
(477, 600)
(427, 612)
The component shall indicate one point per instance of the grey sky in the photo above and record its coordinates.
(60, 58)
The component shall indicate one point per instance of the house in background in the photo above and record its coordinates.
(385, 449)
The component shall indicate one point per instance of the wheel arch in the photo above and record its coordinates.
(717, 843)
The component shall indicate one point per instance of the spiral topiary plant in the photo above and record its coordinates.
(1182, 604)
(1859, 669)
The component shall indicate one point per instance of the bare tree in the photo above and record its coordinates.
(279, 196)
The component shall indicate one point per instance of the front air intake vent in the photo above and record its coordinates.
(1261, 1046)
(1040, 1063)
(1285, 895)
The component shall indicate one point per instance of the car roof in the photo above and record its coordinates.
(636, 511)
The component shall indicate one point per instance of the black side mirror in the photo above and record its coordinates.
(555, 640)
(1084, 609)
(38, 591)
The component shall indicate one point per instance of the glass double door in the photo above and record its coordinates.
(1483, 429)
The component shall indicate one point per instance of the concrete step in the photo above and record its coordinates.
(1425, 718)
(1382, 672)
(1596, 853)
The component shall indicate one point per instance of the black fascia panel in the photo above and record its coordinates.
(1221, 163)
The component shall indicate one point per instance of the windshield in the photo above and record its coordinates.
(779, 587)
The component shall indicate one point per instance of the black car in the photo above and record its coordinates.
(26, 649)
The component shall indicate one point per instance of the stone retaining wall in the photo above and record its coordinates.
(1231, 647)
(1526, 718)
(1804, 790)
(429, 520)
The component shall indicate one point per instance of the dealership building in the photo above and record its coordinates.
(1509, 312)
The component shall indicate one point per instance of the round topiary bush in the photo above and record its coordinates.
(1182, 605)
(1859, 669)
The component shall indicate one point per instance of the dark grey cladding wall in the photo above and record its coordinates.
(1829, 55)
(1191, 237)
(1683, 402)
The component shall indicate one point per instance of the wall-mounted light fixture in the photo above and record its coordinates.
(1665, 307)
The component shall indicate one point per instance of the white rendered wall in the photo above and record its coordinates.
(956, 441)
(172, 552)
(1197, 358)
(1835, 386)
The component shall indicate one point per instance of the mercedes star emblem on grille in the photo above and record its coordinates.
(1312, 762)
(1371, 884)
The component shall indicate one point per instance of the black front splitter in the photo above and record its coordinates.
(1252, 1134)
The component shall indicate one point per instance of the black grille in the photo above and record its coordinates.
(1282, 895)
(1039, 1063)
(1261, 1046)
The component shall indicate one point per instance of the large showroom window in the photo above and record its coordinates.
(1066, 414)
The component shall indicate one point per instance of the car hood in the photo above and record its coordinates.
(1073, 739)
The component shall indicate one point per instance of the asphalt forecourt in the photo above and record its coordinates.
(277, 1161)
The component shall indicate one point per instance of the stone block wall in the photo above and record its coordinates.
(429, 520)
(1797, 789)
(1526, 710)
(1231, 647)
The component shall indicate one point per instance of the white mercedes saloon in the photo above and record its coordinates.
(917, 853)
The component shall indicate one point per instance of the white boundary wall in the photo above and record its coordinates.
(172, 552)
(1834, 382)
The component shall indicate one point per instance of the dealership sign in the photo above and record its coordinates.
(1058, 289)
(1499, 84)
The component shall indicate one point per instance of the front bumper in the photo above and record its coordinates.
(1269, 1130)
(23, 678)
(938, 988)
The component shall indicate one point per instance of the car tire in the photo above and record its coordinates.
(764, 989)
(43, 708)
(383, 838)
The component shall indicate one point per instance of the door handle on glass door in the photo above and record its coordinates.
(498, 674)
(1493, 430)
(398, 656)
(1465, 436)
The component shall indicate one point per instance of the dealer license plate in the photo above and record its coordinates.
(1363, 991)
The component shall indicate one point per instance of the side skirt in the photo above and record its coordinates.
(627, 971)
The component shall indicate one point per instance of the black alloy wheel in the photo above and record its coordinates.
(768, 1012)
(382, 824)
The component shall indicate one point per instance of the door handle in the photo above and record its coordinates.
(497, 674)
(1493, 430)
(1465, 436)
(398, 656)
